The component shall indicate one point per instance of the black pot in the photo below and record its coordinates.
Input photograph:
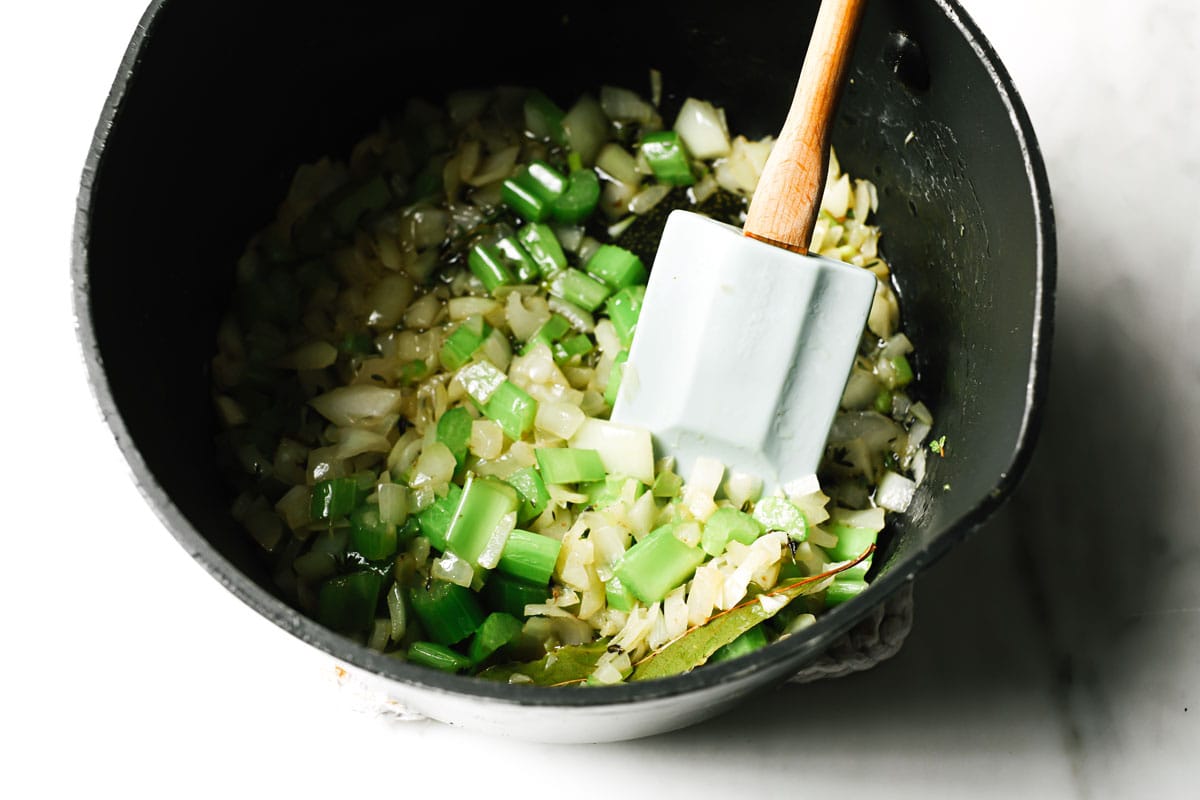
(217, 102)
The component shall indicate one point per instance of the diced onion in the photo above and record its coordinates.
(702, 128)
(894, 492)
(348, 405)
(487, 439)
(453, 569)
(648, 198)
(624, 449)
(558, 419)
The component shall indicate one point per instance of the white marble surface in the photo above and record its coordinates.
(1054, 655)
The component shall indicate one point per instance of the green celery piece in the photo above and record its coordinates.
(543, 118)
(512, 409)
(778, 514)
(454, 431)
(431, 654)
(484, 505)
(333, 499)
(726, 524)
(851, 541)
(413, 371)
(698, 645)
(668, 158)
(523, 200)
(579, 199)
(616, 266)
(520, 262)
(883, 402)
(575, 287)
(747, 643)
(533, 190)
(489, 265)
(347, 603)
(840, 591)
(462, 344)
(902, 372)
(575, 346)
(435, 520)
(448, 612)
(569, 465)
(667, 484)
(563, 665)
(614, 386)
(530, 556)
(534, 495)
(606, 492)
(550, 332)
(371, 537)
(543, 247)
(657, 564)
(623, 309)
(617, 596)
(498, 630)
(504, 592)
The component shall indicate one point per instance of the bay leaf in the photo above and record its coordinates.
(696, 646)
(567, 664)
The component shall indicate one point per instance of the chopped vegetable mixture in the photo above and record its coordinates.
(416, 373)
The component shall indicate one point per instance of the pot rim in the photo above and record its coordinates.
(791, 653)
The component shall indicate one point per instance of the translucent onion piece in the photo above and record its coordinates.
(894, 492)
(453, 569)
(348, 405)
(702, 128)
(487, 439)
(434, 468)
(314, 355)
(559, 419)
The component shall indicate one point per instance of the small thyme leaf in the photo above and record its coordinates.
(939, 446)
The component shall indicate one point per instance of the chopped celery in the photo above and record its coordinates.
(726, 524)
(747, 643)
(479, 520)
(615, 377)
(532, 192)
(543, 118)
(534, 496)
(519, 261)
(778, 514)
(543, 247)
(657, 564)
(616, 266)
(510, 594)
(333, 498)
(463, 342)
(842, 590)
(490, 266)
(431, 654)
(851, 541)
(623, 309)
(454, 431)
(575, 287)
(512, 409)
(668, 158)
(667, 484)
(370, 536)
(435, 520)
(550, 332)
(347, 603)
(569, 465)
(579, 198)
(448, 612)
(902, 372)
(530, 556)
(608, 491)
(498, 630)
(617, 596)
(573, 347)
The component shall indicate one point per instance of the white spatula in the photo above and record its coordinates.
(744, 341)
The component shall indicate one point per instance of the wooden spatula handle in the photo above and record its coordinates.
(785, 205)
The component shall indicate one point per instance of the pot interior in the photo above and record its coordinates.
(224, 101)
